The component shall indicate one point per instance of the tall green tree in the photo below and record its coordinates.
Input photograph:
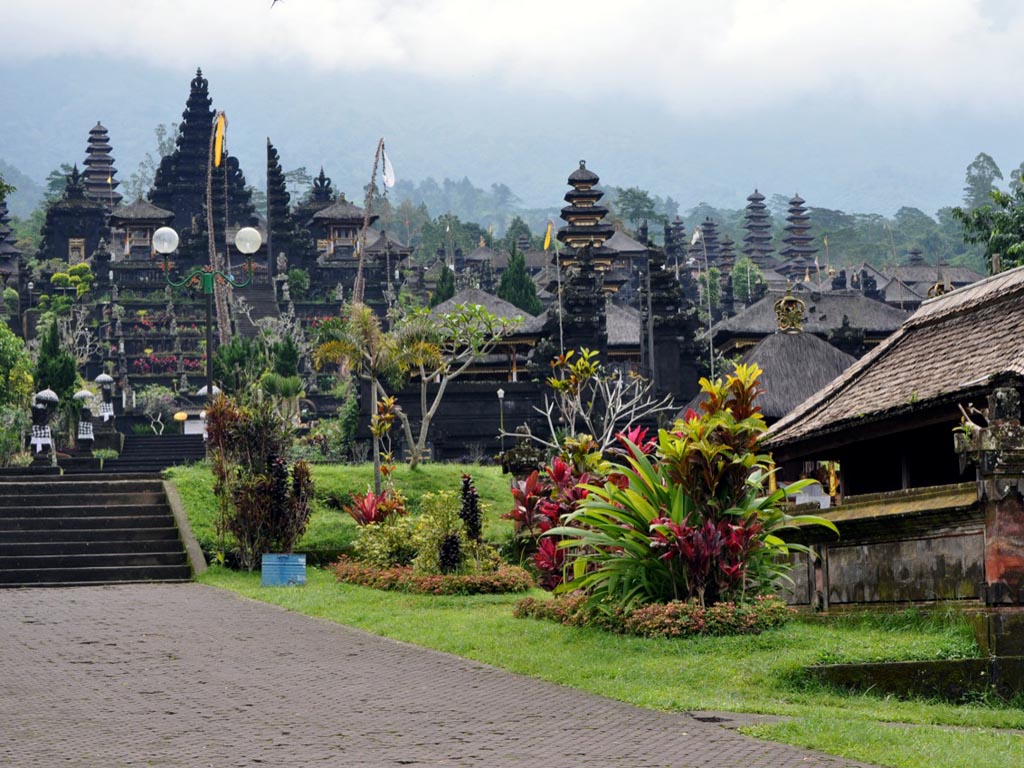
(999, 227)
(55, 368)
(516, 229)
(1017, 177)
(980, 181)
(15, 369)
(140, 182)
(746, 279)
(238, 365)
(445, 288)
(636, 205)
(57, 180)
(5, 189)
(516, 286)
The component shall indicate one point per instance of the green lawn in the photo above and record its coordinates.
(332, 530)
(742, 674)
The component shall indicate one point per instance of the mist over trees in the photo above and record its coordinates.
(440, 216)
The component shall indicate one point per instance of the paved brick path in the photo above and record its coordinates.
(190, 675)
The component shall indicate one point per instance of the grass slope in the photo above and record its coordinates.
(332, 530)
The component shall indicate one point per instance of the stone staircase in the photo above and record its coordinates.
(155, 453)
(261, 302)
(87, 529)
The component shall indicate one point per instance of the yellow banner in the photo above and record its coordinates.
(218, 141)
(547, 237)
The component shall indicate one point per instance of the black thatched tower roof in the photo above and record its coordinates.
(100, 173)
(757, 221)
(799, 240)
(9, 253)
(585, 226)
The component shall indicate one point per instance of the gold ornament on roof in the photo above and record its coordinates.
(789, 310)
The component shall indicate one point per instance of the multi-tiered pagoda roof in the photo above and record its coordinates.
(9, 252)
(99, 174)
(757, 243)
(799, 240)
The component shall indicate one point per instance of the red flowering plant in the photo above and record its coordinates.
(371, 509)
(540, 503)
(380, 506)
(689, 518)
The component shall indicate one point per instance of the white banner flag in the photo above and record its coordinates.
(387, 171)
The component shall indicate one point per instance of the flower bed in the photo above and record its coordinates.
(506, 579)
(674, 619)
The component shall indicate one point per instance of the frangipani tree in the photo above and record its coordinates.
(424, 348)
(437, 350)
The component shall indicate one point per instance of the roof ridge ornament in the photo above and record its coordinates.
(789, 311)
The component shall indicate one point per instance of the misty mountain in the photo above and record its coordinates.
(492, 134)
(27, 193)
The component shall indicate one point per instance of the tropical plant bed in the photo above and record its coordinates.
(505, 580)
(674, 619)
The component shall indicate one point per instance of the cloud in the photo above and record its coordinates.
(704, 59)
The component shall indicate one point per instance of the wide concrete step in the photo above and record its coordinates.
(98, 575)
(85, 486)
(14, 563)
(60, 536)
(78, 499)
(100, 546)
(33, 478)
(83, 523)
(93, 510)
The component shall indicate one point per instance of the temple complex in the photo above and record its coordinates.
(609, 289)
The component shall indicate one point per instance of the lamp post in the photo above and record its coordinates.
(501, 417)
(247, 240)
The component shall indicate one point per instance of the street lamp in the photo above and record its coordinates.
(501, 416)
(247, 240)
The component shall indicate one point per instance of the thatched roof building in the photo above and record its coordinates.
(826, 316)
(795, 364)
(889, 418)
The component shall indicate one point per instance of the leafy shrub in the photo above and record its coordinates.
(371, 509)
(691, 524)
(541, 502)
(674, 619)
(386, 545)
(438, 523)
(264, 504)
(10, 301)
(14, 423)
(505, 579)
(157, 403)
(298, 283)
(472, 517)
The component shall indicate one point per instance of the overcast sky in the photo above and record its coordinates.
(877, 62)
(715, 55)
